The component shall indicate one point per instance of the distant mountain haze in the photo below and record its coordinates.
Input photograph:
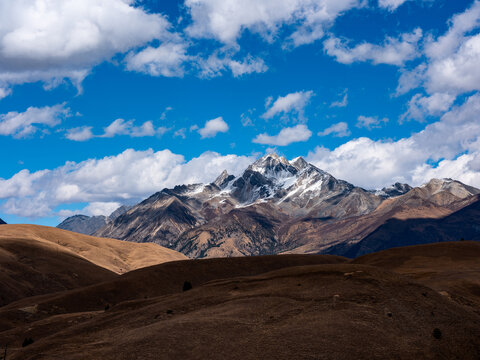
(88, 225)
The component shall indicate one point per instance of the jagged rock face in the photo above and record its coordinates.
(160, 218)
(276, 206)
(89, 225)
(241, 232)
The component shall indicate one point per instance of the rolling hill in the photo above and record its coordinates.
(282, 307)
(405, 303)
(37, 260)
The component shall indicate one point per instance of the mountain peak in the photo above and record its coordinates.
(272, 158)
(299, 163)
(454, 187)
(271, 164)
(223, 179)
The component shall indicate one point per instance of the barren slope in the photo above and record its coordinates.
(117, 256)
(452, 268)
(338, 311)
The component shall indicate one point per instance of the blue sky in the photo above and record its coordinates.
(105, 102)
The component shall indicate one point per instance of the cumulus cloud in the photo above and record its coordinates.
(391, 5)
(223, 60)
(420, 107)
(293, 103)
(126, 177)
(370, 122)
(63, 39)
(338, 130)
(213, 127)
(116, 128)
(452, 59)
(122, 127)
(286, 136)
(81, 133)
(394, 51)
(21, 125)
(4, 92)
(225, 20)
(164, 60)
(434, 151)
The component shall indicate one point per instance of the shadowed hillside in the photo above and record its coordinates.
(37, 260)
(463, 224)
(407, 303)
(317, 311)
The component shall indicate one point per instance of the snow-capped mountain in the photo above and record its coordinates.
(249, 209)
(277, 206)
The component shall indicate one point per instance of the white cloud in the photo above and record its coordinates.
(222, 60)
(63, 39)
(165, 60)
(419, 107)
(225, 20)
(290, 103)
(27, 123)
(116, 128)
(458, 72)
(213, 127)
(246, 118)
(341, 103)
(97, 208)
(130, 175)
(370, 122)
(286, 136)
(452, 59)
(247, 66)
(391, 5)
(374, 164)
(338, 130)
(180, 133)
(4, 92)
(122, 127)
(82, 133)
(394, 51)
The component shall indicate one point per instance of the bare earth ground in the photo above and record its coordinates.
(417, 302)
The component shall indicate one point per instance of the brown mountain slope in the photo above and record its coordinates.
(337, 311)
(452, 268)
(159, 280)
(463, 223)
(29, 268)
(37, 260)
(434, 200)
(114, 255)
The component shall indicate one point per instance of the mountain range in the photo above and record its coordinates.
(279, 206)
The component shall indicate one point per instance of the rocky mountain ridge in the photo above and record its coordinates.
(274, 206)
(277, 206)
